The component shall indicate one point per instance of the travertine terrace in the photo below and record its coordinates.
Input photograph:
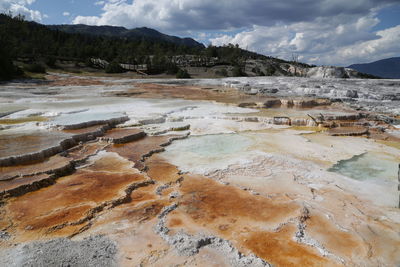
(226, 172)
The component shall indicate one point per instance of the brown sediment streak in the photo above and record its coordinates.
(17, 184)
(23, 120)
(82, 152)
(110, 123)
(341, 243)
(12, 145)
(228, 212)
(220, 94)
(137, 211)
(138, 151)
(247, 220)
(279, 249)
(56, 80)
(134, 151)
(29, 149)
(121, 136)
(354, 231)
(353, 120)
(19, 180)
(110, 195)
(21, 186)
(88, 130)
(383, 243)
(348, 131)
(384, 136)
(90, 187)
(92, 213)
(212, 200)
(143, 194)
(160, 170)
(51, 165)
(77, 197)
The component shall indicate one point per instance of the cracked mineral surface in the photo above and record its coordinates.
(271, 171)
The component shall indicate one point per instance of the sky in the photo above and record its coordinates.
(323, 32)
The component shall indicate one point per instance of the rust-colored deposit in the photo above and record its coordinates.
(52, 163)
(265, 227)
(23, 120)
(121, 133)
(86, 130)
(348, 131)
(12, 145)
(73, 198)
(280, 249)
(160, 170)
(114, 183)
(344, 243)
(137, 150)
(82, 152)
(56, 80)
(208, 201)
(219, 94)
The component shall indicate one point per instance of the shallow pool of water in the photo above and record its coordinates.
(20, 143)
(212, 146)
(368, 166)
(75, 118)
(201, 153)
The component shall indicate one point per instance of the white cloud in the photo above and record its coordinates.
(20, 7)
(88, 20)
(339, 41)
(316, 30)
(386, 45)
(185, 15)
(66, 14)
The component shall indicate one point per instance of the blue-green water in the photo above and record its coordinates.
(206, 152)
(368, 166)
(213, 145)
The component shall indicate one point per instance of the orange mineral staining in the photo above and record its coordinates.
(47, 166)
(116, 185)
(208, 200)
(263, 226)
(137, 150)
(279, 249)
(160, 170)
(341, 243)
(74, 198)
(219, 94)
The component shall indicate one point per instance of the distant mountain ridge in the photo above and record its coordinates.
(385, 68)
(121, 32)
(29, 43)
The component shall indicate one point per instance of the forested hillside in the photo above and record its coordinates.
(33, 42)
(121, 32)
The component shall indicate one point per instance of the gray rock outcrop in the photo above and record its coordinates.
(91, 252)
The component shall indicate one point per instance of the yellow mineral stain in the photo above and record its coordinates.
(23, 120)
